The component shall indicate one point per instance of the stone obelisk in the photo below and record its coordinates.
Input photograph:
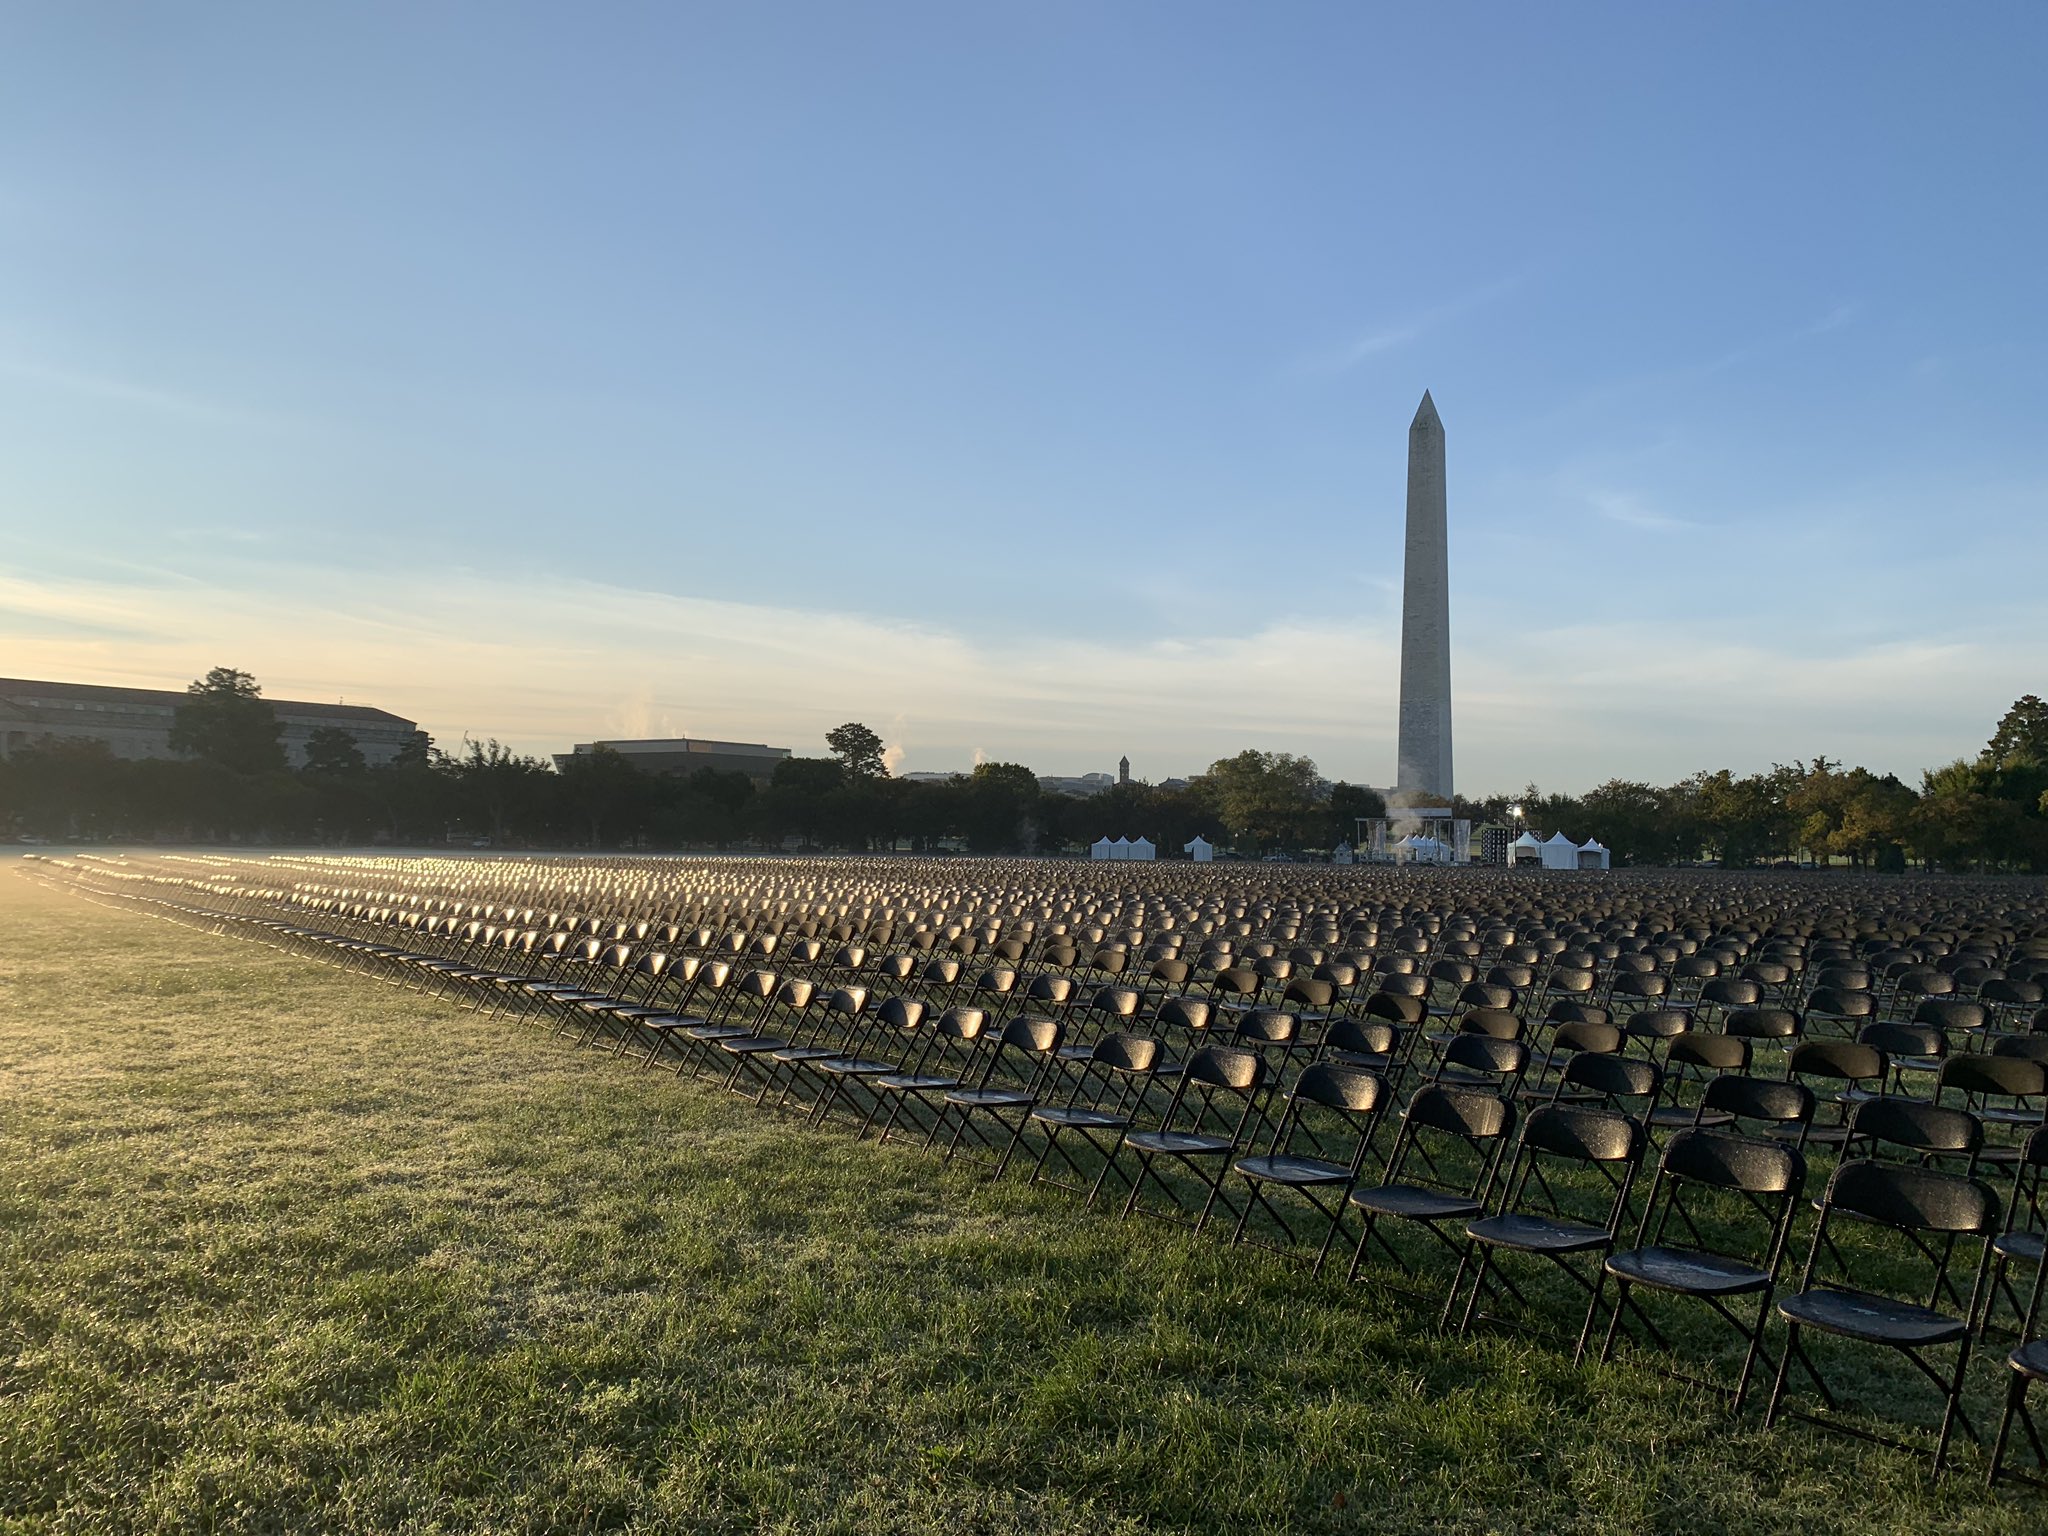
(1423, 774)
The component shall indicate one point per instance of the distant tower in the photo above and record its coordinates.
(1123, 770)
(1423, 772)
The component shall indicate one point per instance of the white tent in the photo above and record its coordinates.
(1525, 850)
(1200, 849)
(1594, 855)
(1120, 850)
(1560, 852)
(1144, 850)
(1417, 849)
(1102, 848)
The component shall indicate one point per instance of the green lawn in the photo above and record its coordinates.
(285, 1248)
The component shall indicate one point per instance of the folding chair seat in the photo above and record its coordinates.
(1320, 1142)
(751, 991)
(1104, 1098)
(2023, 1241)
(1547, 1216)
(2027, 1364)
(1440, 1169)
(1749, 1189)
(843, 1011)
(1214, 1099)
(896, 1019)
(1933, 1219)
(614, 1017)
(1005, 1092)
(950, 1047)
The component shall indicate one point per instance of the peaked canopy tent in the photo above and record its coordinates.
(1593, 855)
(1560, 852)
(1525, 850)
(1418, 849)
(1200, 849)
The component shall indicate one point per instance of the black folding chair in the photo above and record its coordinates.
(1213, 1102)
(1319, 1145)
(1546, 1212)
(1688, 1245)
(1934, 1218)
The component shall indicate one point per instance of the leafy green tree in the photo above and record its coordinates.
(225, 721)
(495, 789)
(1263, 798)
(2021, 739)
(859, 751)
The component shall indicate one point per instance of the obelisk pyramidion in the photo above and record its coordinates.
(1423, 772)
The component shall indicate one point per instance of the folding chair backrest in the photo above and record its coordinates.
(1913, 1199)
(1917, 1127)
(1736, 1163)
(1766, 1100)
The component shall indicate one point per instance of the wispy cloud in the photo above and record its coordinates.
(136, 396)
(1649, 698)
(1390, 335)
(1632, 512)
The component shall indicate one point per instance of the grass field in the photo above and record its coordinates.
(284, 1248)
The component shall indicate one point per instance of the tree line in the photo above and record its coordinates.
(231, 782)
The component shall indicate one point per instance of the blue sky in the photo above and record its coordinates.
(1033, 381)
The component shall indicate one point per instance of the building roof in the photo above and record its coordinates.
(27, 693)
(688, 744)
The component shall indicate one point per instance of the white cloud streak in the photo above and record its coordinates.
(541, 664)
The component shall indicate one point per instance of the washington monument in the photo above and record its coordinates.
(1423, 770)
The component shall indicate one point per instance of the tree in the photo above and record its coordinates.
(1349, 805)
(1264, 798)
(494, 787)
(331, 750)
(1001, 809)
(2021, 740)
(858, 749)
(225, 720)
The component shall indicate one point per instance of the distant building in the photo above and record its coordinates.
(136, 722)
(925, 777)
(1123, 770)
(1086, 784)
(680, 754)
